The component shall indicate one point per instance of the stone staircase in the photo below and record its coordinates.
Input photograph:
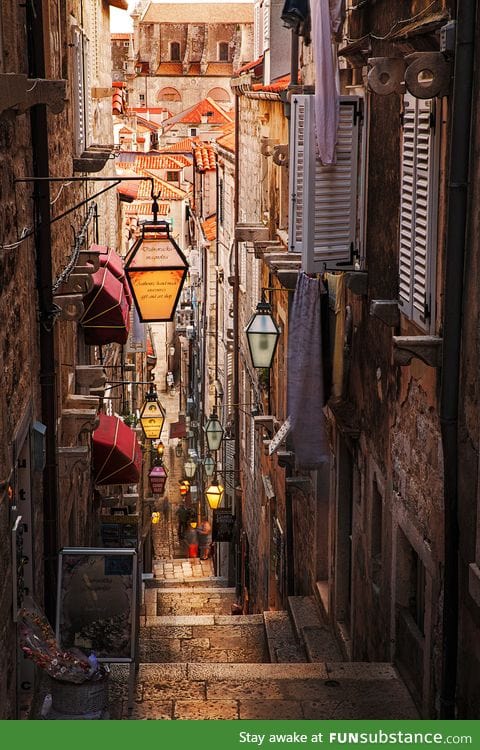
(200, 662)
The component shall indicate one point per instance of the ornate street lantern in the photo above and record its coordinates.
(213, 432)
(152, 415)
(209, 466)
(158, 477)
(160, 450)
(262, 335)
(214, 494)
(190, 467)
(156, 270)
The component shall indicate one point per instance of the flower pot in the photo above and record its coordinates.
(90, 697)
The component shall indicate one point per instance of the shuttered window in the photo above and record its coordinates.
(266, 25)
(81, 92)
(323, 199)
(257, 30)
(418, 211)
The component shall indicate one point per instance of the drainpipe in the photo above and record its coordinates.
(236, 363)
(452, 331)
(39, 135)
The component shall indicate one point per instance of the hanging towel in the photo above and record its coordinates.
(326, 94)
(305, 375)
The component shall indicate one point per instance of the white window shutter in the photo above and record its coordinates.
(418, 210)
(257, 30)
(323, 199)
(266, 25)
(87, 75)
(78, 94)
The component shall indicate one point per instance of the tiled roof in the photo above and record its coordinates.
(144, 208)
(170, 69)
(193, 115)
(224, 13)
(209, 227)
(227, 142)
(193, 69)
(167, 191)
(204, 157)
(184, 146)
(279, 85)
(219, 69)
(117, 103)
(124, 160)
(119, 36)
(249, 66)
(128, 190)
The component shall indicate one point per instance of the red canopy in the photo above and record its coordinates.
(114, 262)
(117, 458)
(106, 318)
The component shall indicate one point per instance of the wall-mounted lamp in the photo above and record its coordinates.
(214, 494)
(262, 335)
(158, 478)
(209, 466)
(152, 415)
(213, 432)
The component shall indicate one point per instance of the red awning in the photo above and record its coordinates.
(114, 262)
(178, 429)
(117, 458)
(106, 318)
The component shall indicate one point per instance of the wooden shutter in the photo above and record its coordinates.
(266, 25)
(78, 94)
(418, 210)
(257, 30)
(323, 199)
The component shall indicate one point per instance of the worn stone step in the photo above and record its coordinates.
(312, 630)
(282, 643)
(188, 582)
(201, 638)
(263, 691)
(197, 600)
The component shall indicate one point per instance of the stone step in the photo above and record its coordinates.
(187, 582)
(312, 630)
(197, 600)
(282, 643)
(203, 638)
(319, 691)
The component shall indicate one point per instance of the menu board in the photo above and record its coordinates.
(96, 603)
(222, 527)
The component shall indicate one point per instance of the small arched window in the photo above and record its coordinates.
(175, 51)
(223, 51)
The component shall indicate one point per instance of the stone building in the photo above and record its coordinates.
(187, 52)
(55, 133)
(373, 529)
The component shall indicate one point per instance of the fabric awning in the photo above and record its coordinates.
(106, 318)
(117, 457)
(110, 259)
(178, 429)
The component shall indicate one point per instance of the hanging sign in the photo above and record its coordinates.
(222, 527)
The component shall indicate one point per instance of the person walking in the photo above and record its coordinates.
(191, 539)
(204, 539)
(182, 517)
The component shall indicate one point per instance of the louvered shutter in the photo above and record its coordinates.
(418, 210)
(257, 30)
(323, 199)
(266, 25)
(78, 94)
(87, 77)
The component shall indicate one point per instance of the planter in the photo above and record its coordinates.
(78, 700)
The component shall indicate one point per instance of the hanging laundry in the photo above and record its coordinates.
(336, 291)
(296, 16)
(327, 19)
(305, 375)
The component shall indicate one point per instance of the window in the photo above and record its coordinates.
(172, 176)
(376, 533)
(323, 199)
(141, 98)
(221, 202)
(257, 30)
(411, 582)
(266, 25)
(223, 51)
(418, 211)
(81, 87)
(175, 51)
(126, 44)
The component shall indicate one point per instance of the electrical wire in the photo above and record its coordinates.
(397, 23)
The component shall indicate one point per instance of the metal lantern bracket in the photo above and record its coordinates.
(114, 180)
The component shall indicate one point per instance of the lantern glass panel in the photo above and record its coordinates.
(262, 335)
(214, 495)
(213, 433)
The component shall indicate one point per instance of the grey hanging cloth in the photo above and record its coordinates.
(296, 16)
(305, 375)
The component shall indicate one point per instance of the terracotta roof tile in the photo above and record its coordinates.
(227, 142)
(279, 85)
(219, 69)
(249, 66)
(170, 69)
(209, 227)
(184, 146)
(204, 157)
(193, 115)
(145, 208)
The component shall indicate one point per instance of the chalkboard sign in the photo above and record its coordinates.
(97, 600)
(223, 523)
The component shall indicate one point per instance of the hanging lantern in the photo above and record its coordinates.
(184, 487)
(160, 450)
(209, 466)
(152, 416)
(214, 495)
(158, 478)
(156, 270)
(190, 467)
(213, 432)
(262, 335)
(155, 516)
